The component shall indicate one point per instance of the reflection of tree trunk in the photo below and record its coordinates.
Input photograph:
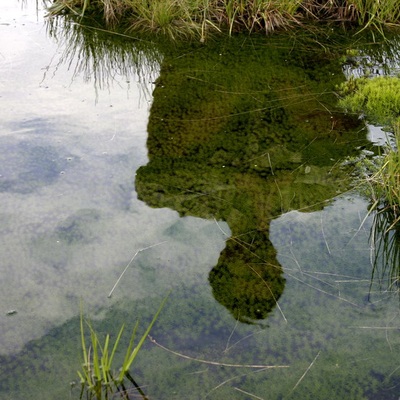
(248, 280)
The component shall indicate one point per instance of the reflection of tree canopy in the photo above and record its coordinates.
(243, 132)
(240, 130)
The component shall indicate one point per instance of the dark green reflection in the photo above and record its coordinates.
(244, 130)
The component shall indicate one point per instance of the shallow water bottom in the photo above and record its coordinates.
(333, 333)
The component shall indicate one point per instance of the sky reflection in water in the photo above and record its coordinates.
(70, 219)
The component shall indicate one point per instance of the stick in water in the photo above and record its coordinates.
(130, 262)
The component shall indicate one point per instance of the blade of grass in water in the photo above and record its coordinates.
(97, 374)
(131, 356)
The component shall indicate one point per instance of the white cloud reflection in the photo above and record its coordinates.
(70, 218)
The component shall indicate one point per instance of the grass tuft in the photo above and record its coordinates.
(379, 179)
(202, 18)
(385, 249)
(378, 100)
(384, 182)
(100, 380)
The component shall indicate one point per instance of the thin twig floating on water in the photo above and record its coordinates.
(225, 234)
(305, 373)
(270, 164)
(243, 338)
(270, 290)
(397, 328)
(370, 211)
(325, 292)
(130, 262)
(230, 336)
(215, 362)
(249, 394)
(232, 379)
(323, 235)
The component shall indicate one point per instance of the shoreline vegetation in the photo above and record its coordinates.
(202, 18)
(378, 100)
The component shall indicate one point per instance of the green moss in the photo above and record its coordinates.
(377, 98)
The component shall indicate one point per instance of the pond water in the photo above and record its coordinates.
(216, 173)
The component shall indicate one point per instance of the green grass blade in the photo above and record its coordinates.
(83, 342)
(116, 345)
(95, 358)
(104, 360)
(88, 371)
(85, 6)
(124, 367)
(83, 380)
(143, 338)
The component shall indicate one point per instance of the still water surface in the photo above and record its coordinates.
(234, 185)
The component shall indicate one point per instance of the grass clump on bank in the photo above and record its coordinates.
(199, 18)
(378, 99)
(381, 182)
(384, 180)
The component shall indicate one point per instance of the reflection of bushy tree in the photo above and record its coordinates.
(242, 134)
